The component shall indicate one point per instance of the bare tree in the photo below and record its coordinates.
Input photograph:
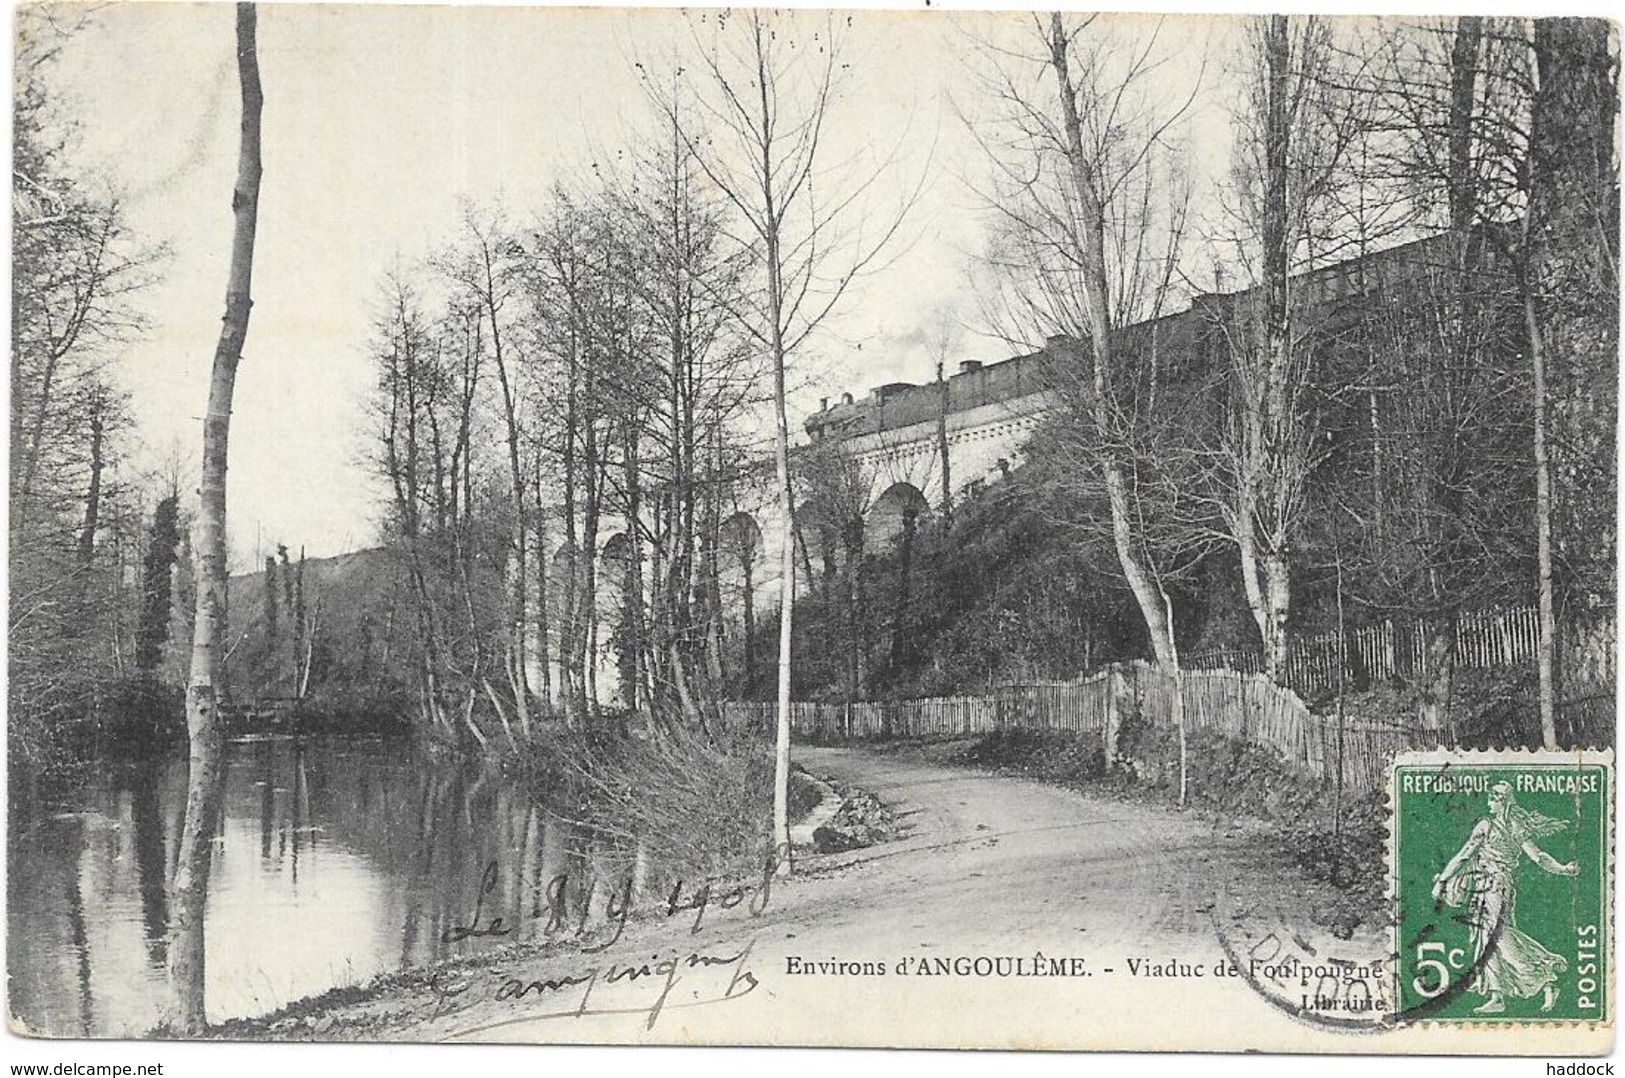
(429, 376)
(565, 277)
(204, 775)
(1086, 248)
(768, 86)
(943, 332)
(1423, 507)
(482, 272)
(1496, 130)
(77, 269)
(691, 379)
(1294, 135)
(1569, 274)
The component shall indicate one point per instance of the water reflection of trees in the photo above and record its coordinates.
(71, 835)
(431, 826)
(369, 842)
(151, 839)
(87, 901)
(470, 817)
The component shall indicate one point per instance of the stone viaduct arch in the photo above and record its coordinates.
(890, 439)
(899, 507)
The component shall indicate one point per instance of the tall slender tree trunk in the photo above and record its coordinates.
(586, 641)
(1570, 290)
(93, 497)
(787, 590)
(1529, 287)
(517, 577)
(1277, 348)
(1546, 645)
(186, 957)
(1461, 184)
(1266, 438)
(1097, 306)
(1179, 707)
(544, 690)
(570, 680)
(942, 446)
(781, 466)
(632, 582)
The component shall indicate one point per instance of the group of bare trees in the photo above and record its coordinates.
(571, 375)
(567, 395)
(1413, 215)
(291, 631)
(1416, 214)
(76, 522)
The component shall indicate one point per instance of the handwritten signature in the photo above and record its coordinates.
(616, 981)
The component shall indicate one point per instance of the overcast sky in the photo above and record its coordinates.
(379, 121)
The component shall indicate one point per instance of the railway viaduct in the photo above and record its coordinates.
(890, 444)
(891, 447)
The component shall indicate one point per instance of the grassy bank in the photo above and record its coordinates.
(697, 806)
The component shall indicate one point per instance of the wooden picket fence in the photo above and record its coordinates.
(1488, 639)
(1242, 705)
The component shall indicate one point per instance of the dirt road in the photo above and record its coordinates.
(1049, 910)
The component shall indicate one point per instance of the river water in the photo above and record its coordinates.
(335, 860)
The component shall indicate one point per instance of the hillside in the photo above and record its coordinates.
(340, 618)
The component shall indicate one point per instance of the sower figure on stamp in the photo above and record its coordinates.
(1483, 876)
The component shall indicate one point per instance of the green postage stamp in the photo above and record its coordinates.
(1502, 867)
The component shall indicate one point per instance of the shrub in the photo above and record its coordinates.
(1049, 755)
(698, 806)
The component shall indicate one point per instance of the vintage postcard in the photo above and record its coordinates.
(872, 528)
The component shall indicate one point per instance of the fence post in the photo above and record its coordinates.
(1114, 719)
